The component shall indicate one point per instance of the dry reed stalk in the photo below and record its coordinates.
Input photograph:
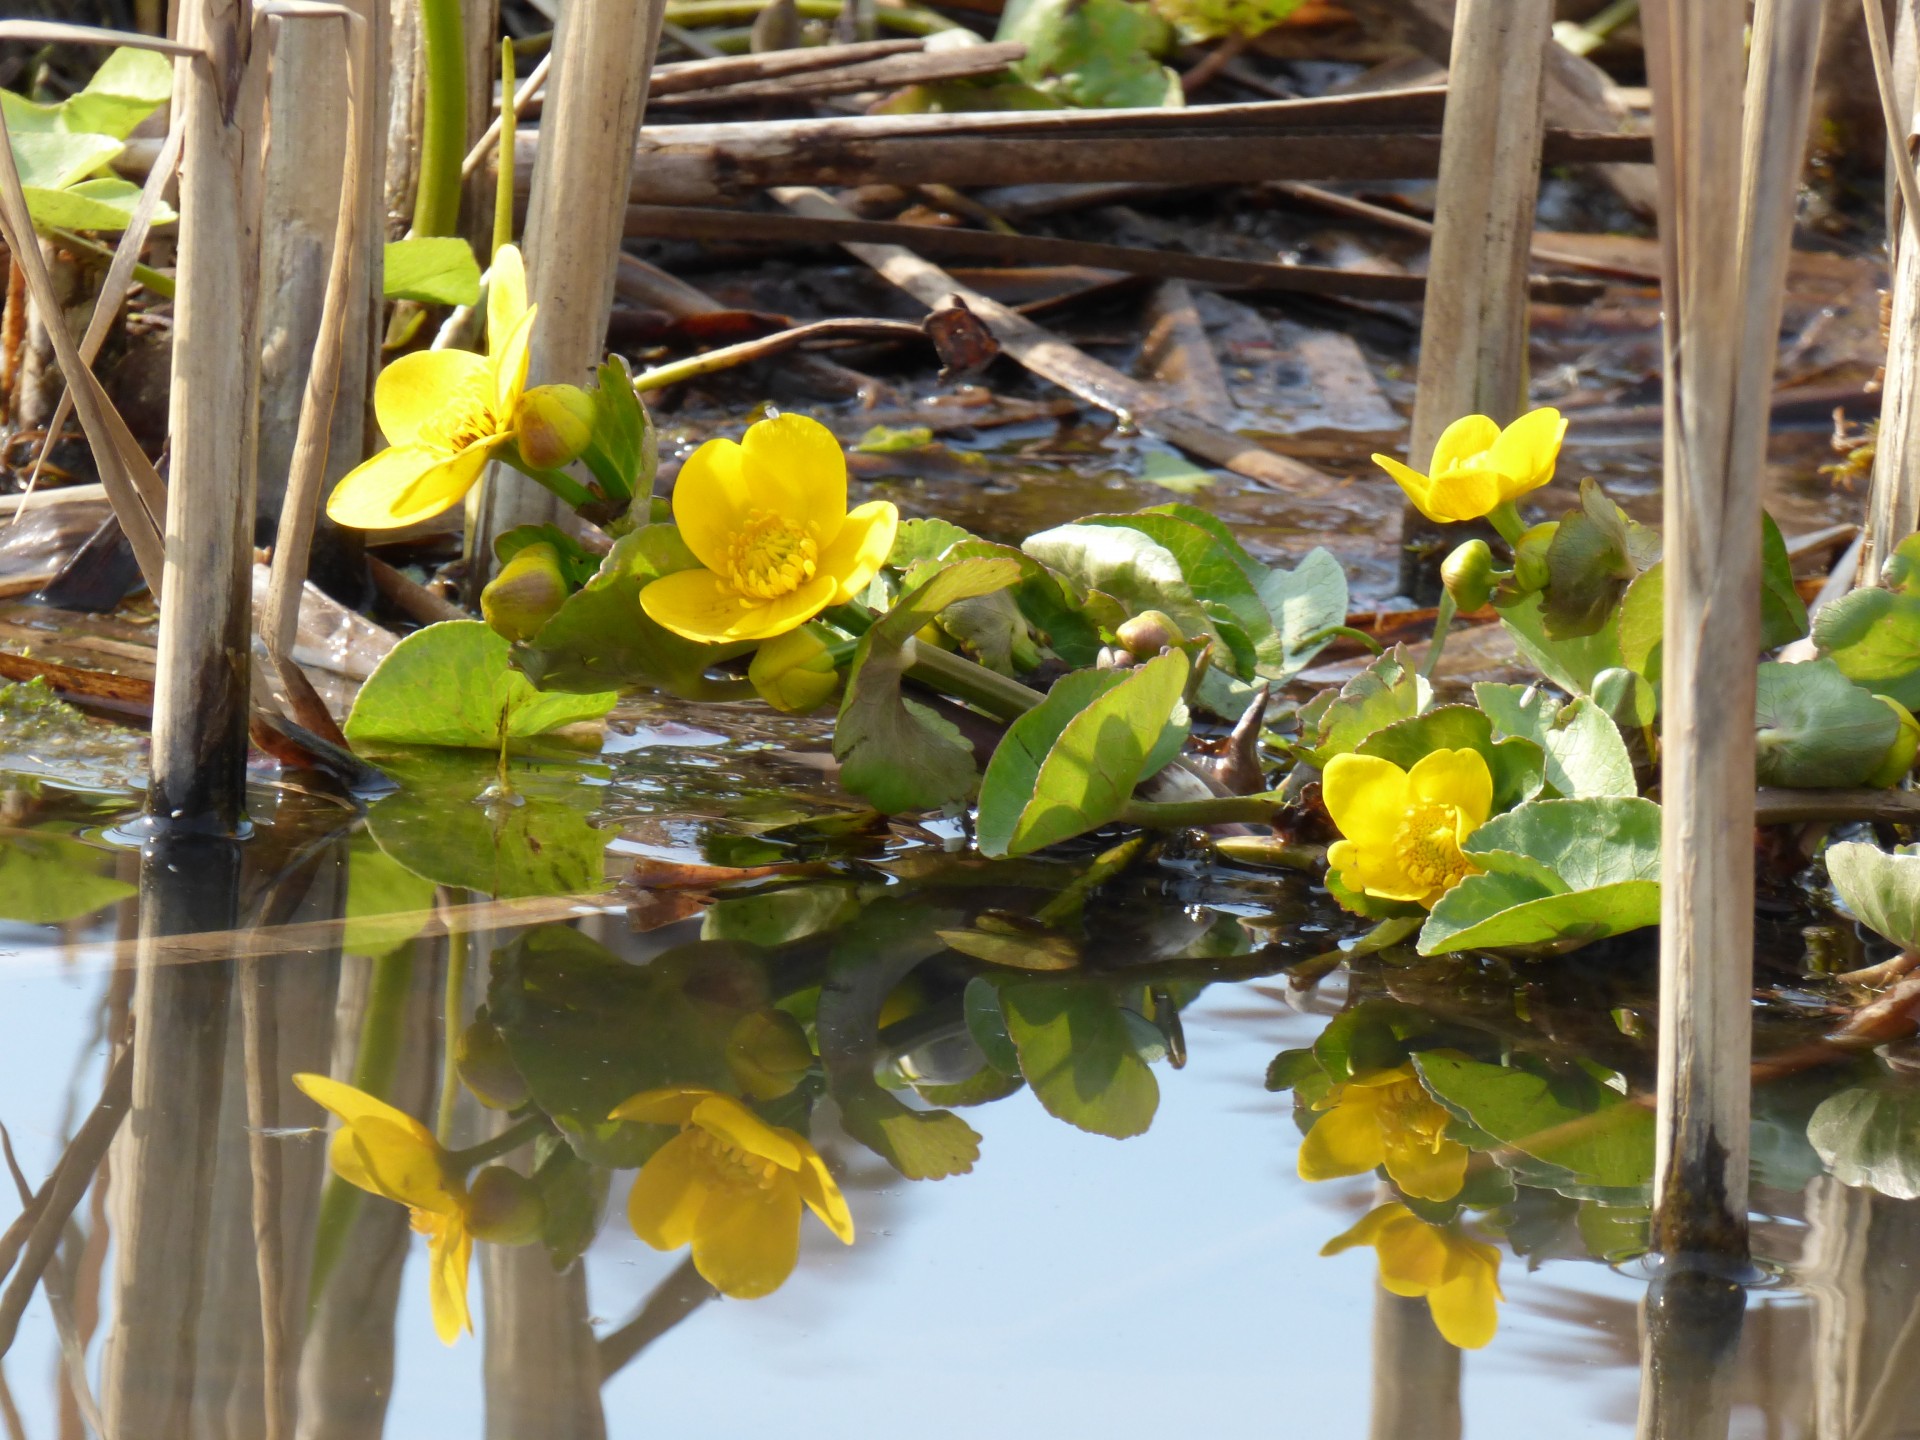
(542, 1364)
(1052, 358)
(1415, 1393)
(345, 295)
(598, 89)
(201, 679)
(1720, 343)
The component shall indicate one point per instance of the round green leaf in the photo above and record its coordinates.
(1882, 889)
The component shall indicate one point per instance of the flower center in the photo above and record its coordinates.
(728, 1165)
(1428, 847)
(770, 556)
(465, 417)
(1406, 1109)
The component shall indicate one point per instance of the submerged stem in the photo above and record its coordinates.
(528, 1127)
(1216, 810)
(959, 677)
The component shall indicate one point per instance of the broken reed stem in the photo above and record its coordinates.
(1473, 330)
(264, 1162)
(202, 667)
(1898, 156)
(299, 511)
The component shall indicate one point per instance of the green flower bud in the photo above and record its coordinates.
(504, 1207)
(1468, 575)
(488, 1070)
(526, 592)
(797, 671)
(1530, 557)
(1148, 633)
(1900, 755)
(553, 425)
(768, 1054)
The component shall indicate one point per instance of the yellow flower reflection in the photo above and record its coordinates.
(1477, 466)
(768, 520)
(1385, 1119)
(730, 1185)
(444, 413)
(1458, 1275)
(1403, 829)
(388, 1152)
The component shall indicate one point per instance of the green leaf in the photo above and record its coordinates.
(921, 540)
(387, 904)
(1132, 567)
(1783, 614)
(892, 440)
(1870, 1136)
(433, 269)
(1093, 52)
(1642, 622)
(1584, 752)
(776, 917)
(54, 160)
(1014, 944)
(588, 1030)
(898, 755)
(105, 204)
(1596, 551)
(1882, 889)
(1570, 1122)
(1516, 764)
(49, 879)
(980, 1004)
(130, 85)
(1570, 664)
(1817, 728)
(1070, 764)
(1873, 637)
(450, 823)
(572, 1196)
(451, 684)
(600, 639)
(624, 452)
(1217, 581)
(1078, 1055)
(1388, 690)
(1558, 873)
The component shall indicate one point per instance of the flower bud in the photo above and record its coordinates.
(1148, 633)
(768, 1054)
(553, 425)
(1530, 557)
(504, 1207)
(1900, 755)
(526, 592)
(488, 1070)
(1468, 575)
(796, 672)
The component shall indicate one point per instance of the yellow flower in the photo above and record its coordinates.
(731, 1185)
(1458, 1275)
(1477, 466)
(768, 520)
(1385, 1119)
(445, 413)
(1404, 828)
(388, 1152)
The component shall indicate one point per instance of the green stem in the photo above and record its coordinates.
(528, 1127)
(1217, 810)
(1442, 621)
(959, 677)
(1506, 519)
(575, 495)
(503, 187)
(443, 134)
(455, 1005)
(161, 285)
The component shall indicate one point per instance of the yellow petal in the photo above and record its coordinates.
(726, 1117)
(1413, 1256)
(1367, 798)
(1410, 480)
(449, 1258)
(1369, 1228)
(415, 388)
(710, 501)
(405, 484)
(388, 1160)
(506, 295)
(748, 1239)
(670, 1105)
(700, 606)
(1424, 1172)
(1459, 778)
(795, 467)
(860, 549)
(1461, 441)
(822, 1194)
(1466, 1308)
(668, 1194)
(1344, 1141)
(1528, 449)
(353, 1105)
(1464, 494)
(510, 366)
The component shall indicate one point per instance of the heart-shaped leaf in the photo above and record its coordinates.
(1881, 888)
(1584, 752)
(1817, 728)
(1870, 1136)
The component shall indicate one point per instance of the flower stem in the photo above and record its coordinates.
(1218, 810)
(527, 1127)
(503, 187)
(959, 677)
(1506, 519)
(1442, 622)
(443, 134)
